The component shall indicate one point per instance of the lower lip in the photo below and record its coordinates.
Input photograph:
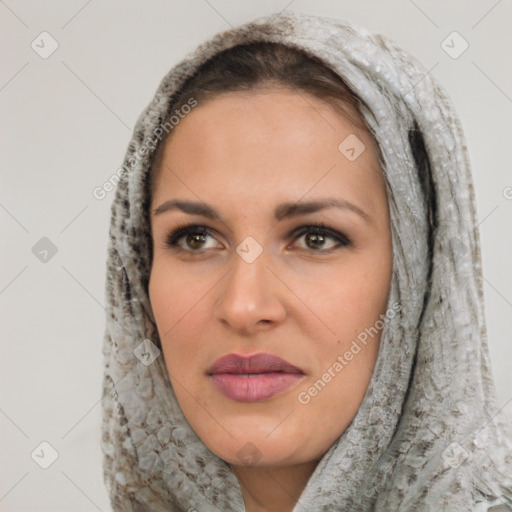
(256, 388)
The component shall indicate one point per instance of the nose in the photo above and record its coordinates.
(251, 298)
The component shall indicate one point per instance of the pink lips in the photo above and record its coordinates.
(253, 378)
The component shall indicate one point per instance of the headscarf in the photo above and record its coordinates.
(428, 434)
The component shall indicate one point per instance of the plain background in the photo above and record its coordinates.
(66, 123)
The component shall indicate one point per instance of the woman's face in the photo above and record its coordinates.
(248, 280)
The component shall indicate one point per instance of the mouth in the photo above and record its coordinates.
(248, 365)
(254, 378)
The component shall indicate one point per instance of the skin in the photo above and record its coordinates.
(243, 153)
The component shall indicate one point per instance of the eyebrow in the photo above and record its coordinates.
(282, 211)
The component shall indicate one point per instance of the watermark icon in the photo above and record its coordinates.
(351, 147)
(146, 352)
(100, 192)
(44, 455)
(44, 249)
(304, 397)
(454, 45)
(249, 454)
(507, 192)
(44, 45)
(454, 455)
(249, 249)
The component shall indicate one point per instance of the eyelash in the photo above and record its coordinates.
(317, 228)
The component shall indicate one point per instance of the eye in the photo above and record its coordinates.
(194, 236)
(315, 236)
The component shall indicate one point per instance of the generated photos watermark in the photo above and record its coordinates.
(304, 397)
(100, 192)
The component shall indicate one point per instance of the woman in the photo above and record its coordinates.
(295, 316)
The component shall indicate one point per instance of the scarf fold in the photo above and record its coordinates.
(428, 434)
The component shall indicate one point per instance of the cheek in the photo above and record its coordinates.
(180, 307)
(345, 352)
(347, 301)
(170, 301)
(173, 296)
(348, 297)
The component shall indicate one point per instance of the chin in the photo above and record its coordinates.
(255, 448)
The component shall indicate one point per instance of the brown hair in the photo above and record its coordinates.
(265, 65)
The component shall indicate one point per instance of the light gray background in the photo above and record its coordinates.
(66, 122)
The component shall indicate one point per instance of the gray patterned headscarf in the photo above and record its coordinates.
(428, 434)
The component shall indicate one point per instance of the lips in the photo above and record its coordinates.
(258, 363)
(254, 378)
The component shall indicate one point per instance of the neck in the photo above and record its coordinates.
(272, 489)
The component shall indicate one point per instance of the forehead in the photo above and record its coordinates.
(265, 142)
(273, 116)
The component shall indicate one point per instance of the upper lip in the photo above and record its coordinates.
(258, 363)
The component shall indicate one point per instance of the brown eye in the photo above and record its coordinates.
(317, 240)
(195, 240)
(316, 236)
(194, 236)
